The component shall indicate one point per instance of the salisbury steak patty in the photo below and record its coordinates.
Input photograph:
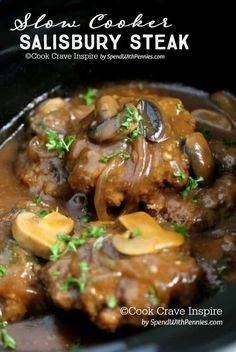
(201, 210)
(109, 281)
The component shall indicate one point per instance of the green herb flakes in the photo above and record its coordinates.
(73, 281)
(180, 228)
(111, 302)
(79, 282)
(83, 267)
(7, 341)
(206, 133)
(221, 268)
(133, 135)
(179, 108)
(124, 155)
(180, 175)
(73, 242)
(85, 218)
(60, 145)
(151, 296)
(75, 346)
(136, 233)
(43, 213)
(3, 270)
(37, 199)
(192, 184)
(90, 96)
(141, 85)
(56, 274)
(131, 115)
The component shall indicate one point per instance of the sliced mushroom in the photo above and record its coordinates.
(107, 131)
(211, 118)
(106, 107)
(152, 239)
(111, 130)
(200, 156)
(156, 125)
(38, 234)
(227, 103)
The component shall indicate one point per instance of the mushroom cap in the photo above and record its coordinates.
(152, 239)
(38, 234)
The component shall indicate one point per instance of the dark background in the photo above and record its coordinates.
(208, 65)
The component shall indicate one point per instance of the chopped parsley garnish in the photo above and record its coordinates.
(133, 135)
(179, 108)
(180, 175)
(135, 233)
(229, 142)
(56, 273)
(60, 145)
(56, 253)
(7, 341)
(3, 270)
(37, 199)
(62, 237)
(90, 96)
(180, 228)
(124, 155)
(43, 213)
(75, 347)
(151, 296)
(195, 199)
(111, 302)
(221, 268)
(85, 218)
(56, 247)
(192, 184)
(131, 115)
(94, 232)
(140, 85)
(206, 133)
(80, 282)
(73, 243)
(181, 137)
(83, 267)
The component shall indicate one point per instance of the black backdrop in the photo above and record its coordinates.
(209, 64)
